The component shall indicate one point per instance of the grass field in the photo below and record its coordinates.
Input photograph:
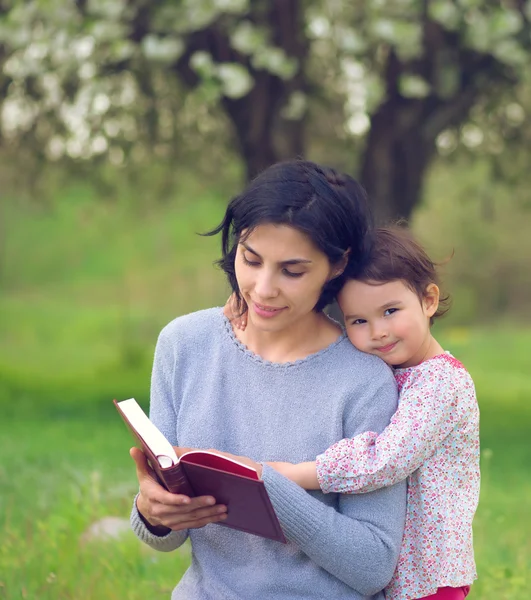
(84, 294)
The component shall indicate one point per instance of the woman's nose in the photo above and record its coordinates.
(265, 286)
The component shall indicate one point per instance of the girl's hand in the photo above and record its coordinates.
(163, 511)
(180, 450)
(233, 314)
(303, 474)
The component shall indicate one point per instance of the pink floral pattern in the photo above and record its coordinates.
(433, 440)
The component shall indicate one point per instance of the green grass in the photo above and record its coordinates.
(85, 291)
(62, 475)
(83, 296)
(62, 471)
(498, 361)
(92, 283)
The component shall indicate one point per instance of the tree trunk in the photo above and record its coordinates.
(402, 139)
(262, 133)
(395, 162)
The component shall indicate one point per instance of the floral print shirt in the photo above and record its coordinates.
(433, 440)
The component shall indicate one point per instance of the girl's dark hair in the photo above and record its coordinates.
(331, 208)
(396, 255)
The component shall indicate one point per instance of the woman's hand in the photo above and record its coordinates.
(231, 311)
(163, 511)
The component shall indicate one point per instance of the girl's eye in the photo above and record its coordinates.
(250, 263)
(292, 274)
(358, 321)
(390, 311)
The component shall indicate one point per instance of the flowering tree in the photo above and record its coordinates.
(109, 78)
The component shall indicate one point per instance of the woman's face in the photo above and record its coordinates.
(281, 274)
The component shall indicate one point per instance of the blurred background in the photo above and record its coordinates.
(125, 128)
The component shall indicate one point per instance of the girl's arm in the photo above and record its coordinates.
(356, 538)
(428, 411)
(303, 474)
(326, 533)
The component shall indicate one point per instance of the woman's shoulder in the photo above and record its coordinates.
(195, 326)
(366, 365)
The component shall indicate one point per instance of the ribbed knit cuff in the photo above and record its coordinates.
(164, 543)
(299, 514)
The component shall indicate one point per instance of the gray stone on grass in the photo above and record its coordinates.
(107, 528)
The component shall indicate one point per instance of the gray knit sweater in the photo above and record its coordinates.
(209, 391)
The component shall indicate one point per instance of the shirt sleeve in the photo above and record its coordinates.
(430, 408)
(358, 539)
(162, 413)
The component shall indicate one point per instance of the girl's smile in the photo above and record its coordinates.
(388, 348)
(390, 320)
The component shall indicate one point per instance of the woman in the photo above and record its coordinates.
(284, 389)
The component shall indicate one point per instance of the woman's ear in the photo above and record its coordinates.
(430, 300)
(340, 266)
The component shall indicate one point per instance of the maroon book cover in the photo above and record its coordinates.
(204, 473)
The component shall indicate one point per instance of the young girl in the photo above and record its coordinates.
(432, 439)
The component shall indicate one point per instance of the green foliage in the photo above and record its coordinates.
(478, 228)
(62, 56)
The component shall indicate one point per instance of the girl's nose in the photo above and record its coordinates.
(378, 332)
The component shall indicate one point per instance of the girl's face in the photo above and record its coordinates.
(281, 274)
(389, 320)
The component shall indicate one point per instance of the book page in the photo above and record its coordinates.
(213, 460)
(150, 434)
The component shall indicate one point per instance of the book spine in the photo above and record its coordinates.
(176, 482)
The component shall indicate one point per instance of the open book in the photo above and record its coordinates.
(205, 473)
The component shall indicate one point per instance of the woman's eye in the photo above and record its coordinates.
(250, 263)
(390, 311)
(292, 274)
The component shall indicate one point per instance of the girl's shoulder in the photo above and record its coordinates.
(440, 371)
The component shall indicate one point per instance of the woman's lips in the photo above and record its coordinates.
(267, 312)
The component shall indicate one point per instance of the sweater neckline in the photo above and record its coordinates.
(258, 359)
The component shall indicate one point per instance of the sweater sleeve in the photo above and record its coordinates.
(162, 413)
(358, 539)
(429, 409)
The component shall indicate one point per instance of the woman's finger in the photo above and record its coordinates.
(180, 518)
(141, 463)
(196, 508)
(150, 488)
(197, 523)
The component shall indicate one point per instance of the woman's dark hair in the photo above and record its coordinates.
(331, 208)
(396, 255)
